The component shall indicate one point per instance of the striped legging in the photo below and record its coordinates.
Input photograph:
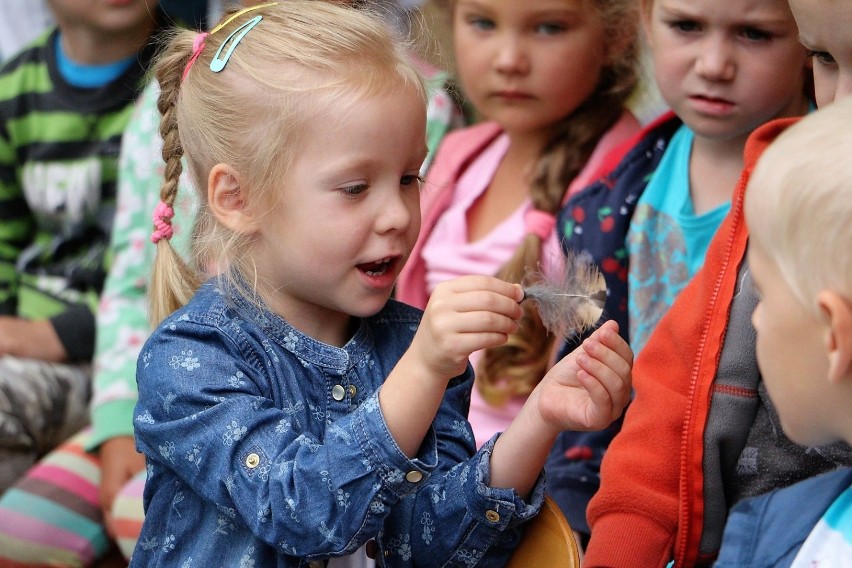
(52, 516)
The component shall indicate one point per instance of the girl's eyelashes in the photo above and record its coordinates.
(480, 23)
(407, 180)
(354, 189)
(550, 28)
(824, 58)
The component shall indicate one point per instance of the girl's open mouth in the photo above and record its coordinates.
(377, 268)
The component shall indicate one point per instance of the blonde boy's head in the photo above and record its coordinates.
(799, 203)
(799, 212)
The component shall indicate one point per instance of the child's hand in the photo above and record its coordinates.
(464, 315)
(590, 386)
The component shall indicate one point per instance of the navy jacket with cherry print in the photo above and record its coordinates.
(596, 220)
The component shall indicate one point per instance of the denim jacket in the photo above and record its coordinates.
(268, 448)
(768, 531)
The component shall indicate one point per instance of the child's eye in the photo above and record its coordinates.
(754, 34)
(355, 189)
(550, 28)
(481, 23)
(410, 179)
(685, 26)
(822, 57)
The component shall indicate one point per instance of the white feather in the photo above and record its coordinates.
(574, 303)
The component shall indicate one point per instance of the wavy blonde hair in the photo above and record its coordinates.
(303, 55)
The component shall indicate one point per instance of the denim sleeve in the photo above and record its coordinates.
(455, 518)
(308, 487)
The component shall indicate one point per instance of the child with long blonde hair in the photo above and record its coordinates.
(551, 84)
(551, 80)
(288, 410)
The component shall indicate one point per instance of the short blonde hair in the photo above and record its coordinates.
(301, 57)
(799, 203)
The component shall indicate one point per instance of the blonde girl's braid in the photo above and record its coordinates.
(515, 368)
(173, 282)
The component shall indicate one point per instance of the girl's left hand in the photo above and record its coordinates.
(590, 387)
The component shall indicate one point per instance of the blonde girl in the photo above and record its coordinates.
(288, 411)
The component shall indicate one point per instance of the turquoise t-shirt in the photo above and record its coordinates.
(666, 240)
(89, 76)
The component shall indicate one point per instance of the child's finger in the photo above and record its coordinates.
(611, 371)
(596, 356)
(608, 335)
(472, 305)
(477, 283)
(468, 343)
(483, 322)
(606, 404)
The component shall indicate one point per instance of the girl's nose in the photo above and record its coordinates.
(512, 58)
(397, 211)
(715, 60)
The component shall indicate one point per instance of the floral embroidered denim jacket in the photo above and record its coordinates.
(268, 448)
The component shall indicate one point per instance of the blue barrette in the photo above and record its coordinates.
(219, 59)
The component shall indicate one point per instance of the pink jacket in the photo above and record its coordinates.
(456, 152)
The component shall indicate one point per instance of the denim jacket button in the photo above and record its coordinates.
(252, 461)
(338, 392)
(492, 516)
(351, 390)
(414, 476)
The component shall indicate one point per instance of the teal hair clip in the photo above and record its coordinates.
(231, 42)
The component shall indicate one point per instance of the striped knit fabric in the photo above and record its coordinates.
(53, 517)
(59, 148)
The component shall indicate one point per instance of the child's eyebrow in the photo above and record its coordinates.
(473, 5)
(758, 18)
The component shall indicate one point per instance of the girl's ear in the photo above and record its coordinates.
(226, 200)
(838, 342)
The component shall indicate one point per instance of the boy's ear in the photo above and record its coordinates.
(838, 341)
(226, 199)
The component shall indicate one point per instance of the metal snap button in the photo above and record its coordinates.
(414, 476)
(492, 516)
(252, 461)
(351, 390)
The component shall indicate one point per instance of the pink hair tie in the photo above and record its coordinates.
(163, 214)
(539, 223)
(197, 46)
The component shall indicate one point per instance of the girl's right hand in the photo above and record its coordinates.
(464, 315)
